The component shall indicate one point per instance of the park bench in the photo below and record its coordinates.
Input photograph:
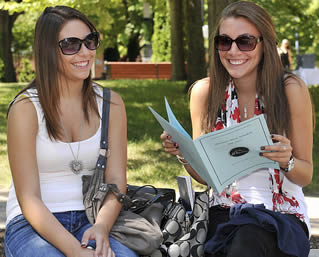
(138, 70)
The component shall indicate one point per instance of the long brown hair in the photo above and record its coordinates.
(46, 54)
(270, 78)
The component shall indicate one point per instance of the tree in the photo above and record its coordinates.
(215, 7)
(196, 64)
(6, 24)
(177, 40)
(298, 16)
(161, 43)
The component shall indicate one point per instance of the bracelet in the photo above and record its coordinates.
(181, 160)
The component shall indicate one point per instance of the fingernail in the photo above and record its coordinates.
(272, 136)
(262, 148)
(261, 154)
(177, 147)
(83, 244)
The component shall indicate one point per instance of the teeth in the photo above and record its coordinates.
(236, 62)
(81, 64)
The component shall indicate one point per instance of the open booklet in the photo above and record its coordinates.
(222, 156)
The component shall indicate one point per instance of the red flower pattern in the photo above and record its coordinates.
(281, 201)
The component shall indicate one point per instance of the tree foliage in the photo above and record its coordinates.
(298, 16)
(161, 43)
(124, 29)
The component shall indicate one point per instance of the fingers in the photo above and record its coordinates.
(102, 246)
(280, 151)
(168, 145)
(110, 253)
(85, 239)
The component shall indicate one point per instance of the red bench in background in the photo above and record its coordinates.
(138, 70)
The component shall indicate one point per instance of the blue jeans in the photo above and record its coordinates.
(21, 240)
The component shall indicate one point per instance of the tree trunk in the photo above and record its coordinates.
(196, 64)
(177, 41)
(215, 7)
(6, 24)
(133, 47)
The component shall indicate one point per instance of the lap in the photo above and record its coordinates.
(250, 239)
(21, 240)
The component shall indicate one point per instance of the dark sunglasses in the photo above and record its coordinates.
(244, 42)
(72, 45)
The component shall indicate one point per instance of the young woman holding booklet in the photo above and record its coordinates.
(263, 213)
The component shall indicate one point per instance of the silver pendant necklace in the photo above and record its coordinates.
(245, 112)
(75, 165)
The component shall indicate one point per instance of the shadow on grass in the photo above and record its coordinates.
(139, 94)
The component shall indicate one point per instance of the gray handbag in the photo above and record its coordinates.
(93, 187)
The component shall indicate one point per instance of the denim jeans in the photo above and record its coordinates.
(21, 240)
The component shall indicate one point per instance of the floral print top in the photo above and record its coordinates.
(268, 186)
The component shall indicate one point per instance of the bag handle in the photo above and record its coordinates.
(105, 118)
(101, 161)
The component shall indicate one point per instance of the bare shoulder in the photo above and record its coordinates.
(200, 89)
(24, 109)
(22, 121)
(116, 98)
(117, 106)
(296, 89)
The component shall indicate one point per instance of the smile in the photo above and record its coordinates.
(81, 64)
(236, 62)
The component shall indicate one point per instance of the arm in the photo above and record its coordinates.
(198, 101)
(22, 131)
(300, 142)
(115, 173)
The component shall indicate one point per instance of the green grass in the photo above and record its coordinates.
(147, 162)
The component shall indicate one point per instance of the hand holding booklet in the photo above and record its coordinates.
(222, 156)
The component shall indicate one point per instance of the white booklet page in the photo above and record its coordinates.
(222, 156)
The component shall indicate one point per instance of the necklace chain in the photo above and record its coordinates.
(245, 111)
(76, 165)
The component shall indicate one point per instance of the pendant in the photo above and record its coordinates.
(76, 166)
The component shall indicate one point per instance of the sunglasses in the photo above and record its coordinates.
(72, 45)
(244, 42)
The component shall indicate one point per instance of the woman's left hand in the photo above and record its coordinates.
(280, 151)
(98, 233)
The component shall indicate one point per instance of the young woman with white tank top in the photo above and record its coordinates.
(54, 128)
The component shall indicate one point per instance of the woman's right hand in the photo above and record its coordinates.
(168, 145)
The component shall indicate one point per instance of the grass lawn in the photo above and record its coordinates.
(147, 162)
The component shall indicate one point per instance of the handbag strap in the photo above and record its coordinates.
(101, 161)
(105, 118)
(105, 152)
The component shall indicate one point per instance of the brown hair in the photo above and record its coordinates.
(46, 54)
(270, 78)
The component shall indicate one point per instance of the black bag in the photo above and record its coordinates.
(185, 234)
(141, 197)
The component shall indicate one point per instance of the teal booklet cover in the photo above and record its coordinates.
(222, 156)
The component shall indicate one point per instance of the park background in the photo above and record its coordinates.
(148, 31)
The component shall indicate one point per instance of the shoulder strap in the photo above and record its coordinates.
(105, 118)
(101, 161)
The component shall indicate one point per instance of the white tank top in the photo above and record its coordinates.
(61, 189)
